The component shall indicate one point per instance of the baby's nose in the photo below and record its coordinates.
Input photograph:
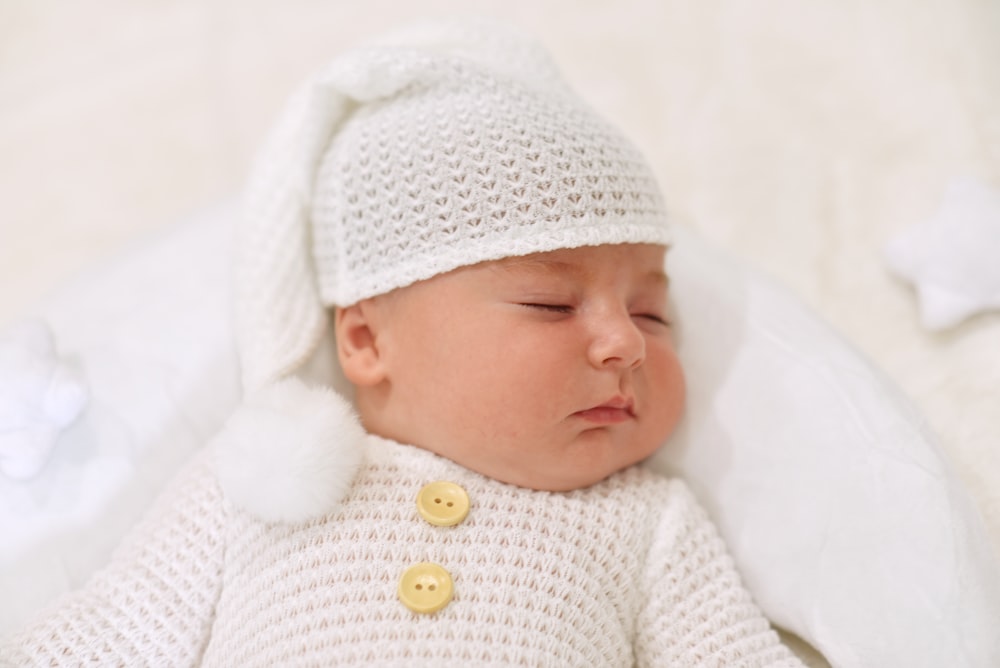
(617, 341)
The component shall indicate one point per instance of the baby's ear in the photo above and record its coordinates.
(357, 347)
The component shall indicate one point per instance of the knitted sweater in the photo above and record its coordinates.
(627, 572)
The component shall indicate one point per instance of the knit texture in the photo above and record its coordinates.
(441, 147)
(153, 604)
(626, 572)
(467, 165)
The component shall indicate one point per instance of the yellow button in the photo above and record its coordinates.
(443, 504)
(425, 587)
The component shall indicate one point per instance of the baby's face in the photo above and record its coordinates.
(550, 371)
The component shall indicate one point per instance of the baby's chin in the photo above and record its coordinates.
(550, 463)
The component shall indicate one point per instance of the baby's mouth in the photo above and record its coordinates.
(613, 411)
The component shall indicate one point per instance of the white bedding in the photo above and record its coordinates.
(802, 139)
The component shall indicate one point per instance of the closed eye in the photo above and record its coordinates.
(653, 317)
(554, 308)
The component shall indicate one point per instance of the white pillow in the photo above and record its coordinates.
(847, 523)
(848, 527)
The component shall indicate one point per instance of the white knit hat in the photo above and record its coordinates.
(441, 146)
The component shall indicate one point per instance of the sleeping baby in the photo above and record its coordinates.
(491, 254)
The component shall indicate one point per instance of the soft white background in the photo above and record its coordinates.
(800, 134)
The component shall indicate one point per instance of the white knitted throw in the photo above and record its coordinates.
(627, 572)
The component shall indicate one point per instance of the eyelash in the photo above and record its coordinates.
(555, 308)
(562, 308)
(655, 318)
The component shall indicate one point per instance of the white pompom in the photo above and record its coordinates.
(289, 453)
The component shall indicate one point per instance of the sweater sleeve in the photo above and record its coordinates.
(154, 602)
(697, 612)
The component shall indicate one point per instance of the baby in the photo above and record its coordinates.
(494, 254)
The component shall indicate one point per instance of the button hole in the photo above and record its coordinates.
(432, 587)
(450, 504)
(419, 587)
(437, 500)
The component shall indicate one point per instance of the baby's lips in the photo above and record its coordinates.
(613, 411)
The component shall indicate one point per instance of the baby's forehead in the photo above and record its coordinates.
(639, 265)
(643, 260)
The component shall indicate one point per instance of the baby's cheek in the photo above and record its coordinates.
(667, 389)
